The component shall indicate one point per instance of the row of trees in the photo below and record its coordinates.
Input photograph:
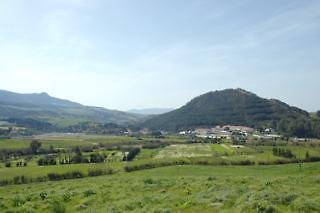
(300, 127)
(18, 164)
(80, 158)
(76, 159)
(47, 160)
(281, 152)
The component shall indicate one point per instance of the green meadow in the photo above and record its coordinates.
(167, 175)
(284, 188)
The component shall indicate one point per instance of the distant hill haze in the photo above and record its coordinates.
(41, 106)
(226, 107)
(151, 111)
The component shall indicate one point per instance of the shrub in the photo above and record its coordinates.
(282, 152)
(97, 158)
(98, 172)
(243, 162)
(288, 198)
(18, 201)
(77, 174)
(8, 164)
(132, 154)
(265, 163)
(79, 158)
(47, 160)
(66, 196)
(41, 179)
(5, 182)
(43, 195)
(312, 159)
(68, 175)
(20, 179)
(148, 181)
(58, 207)
(2, 206)
(54, 176)
(89, 192)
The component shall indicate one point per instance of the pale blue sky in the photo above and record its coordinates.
(124, 54)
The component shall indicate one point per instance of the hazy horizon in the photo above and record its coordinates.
(145, 54)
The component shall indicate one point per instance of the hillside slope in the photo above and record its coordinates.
(41, 106)
(230, 106)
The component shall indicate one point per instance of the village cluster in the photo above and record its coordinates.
(229, 132)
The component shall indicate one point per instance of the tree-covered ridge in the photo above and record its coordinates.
(237, 107)
(55, 111)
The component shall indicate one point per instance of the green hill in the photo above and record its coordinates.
(41, 107)
(231, 106)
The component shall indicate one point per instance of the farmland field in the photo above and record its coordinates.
(184, 150)
(206, 177)
(174, 189)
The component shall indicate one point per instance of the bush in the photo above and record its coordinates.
(243, 163)
(286, 161)
(18, 201)
(97, 158)
(5, 182)
(132, 154)
(8, 164)
(155, 164)
(43, 195)
(148, 181)
(41, 179)
(98, 172)
(282, 152)
(58, 207)
(265, 163)
(20, 179)
(54, 176)
(66, 196)
(2, 206)
(68, 175)
(312, 159)
(77, 174)
(47, 160)
(89, 192)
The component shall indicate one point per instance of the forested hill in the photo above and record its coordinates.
(58, 112)
(236, 107)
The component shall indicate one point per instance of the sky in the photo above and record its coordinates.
(124, 54)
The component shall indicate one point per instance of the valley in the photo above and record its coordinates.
(224, 151)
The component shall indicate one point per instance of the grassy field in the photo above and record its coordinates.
(71, 141)
(185, 150)
(285, 188)
(211, 152)
(180, 188)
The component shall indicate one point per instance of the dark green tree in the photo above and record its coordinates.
(307, 155)
(35, 146)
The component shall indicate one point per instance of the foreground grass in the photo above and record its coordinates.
(282, 188)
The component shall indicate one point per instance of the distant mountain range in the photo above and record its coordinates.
(225, 107)
(150, 111)
(42, 107)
